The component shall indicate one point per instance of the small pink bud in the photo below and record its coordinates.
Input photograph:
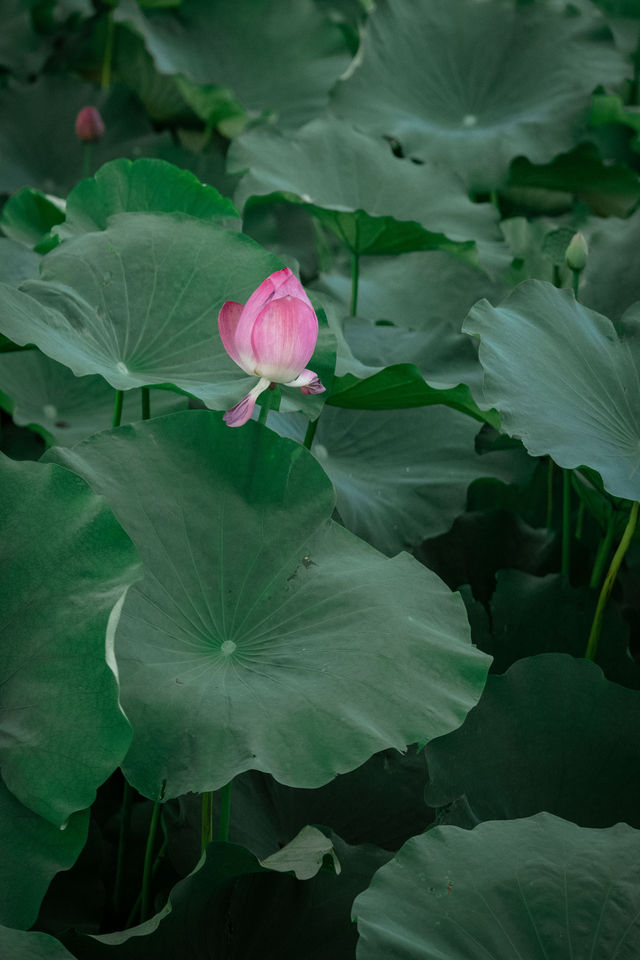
(89, 125)
(272, 336)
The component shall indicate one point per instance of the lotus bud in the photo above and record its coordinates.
(577, 252)
(89, 125)
(272, 336)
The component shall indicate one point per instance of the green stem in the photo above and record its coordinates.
(266, 406)
(105, 80)
(580, 520)
(125, 817)
(493, 196)
(206, 829)
(145, 892)
(225, 814)
(87, 151)
(602, 553)
(146, 403)
(550, 466)
(355, 276)
(635, 85)
(566, 521)
(154, 870)
(557, 276)
(117, 408)
(609, 580)
(311, 432)
(575, 280)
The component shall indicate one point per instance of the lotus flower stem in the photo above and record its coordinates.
(125, 818)
(206, 832)
(105, 80)
(265, 408)
(87, 150)
(154, 870)
(355, 275)
(602, 554)
(311, 432)
(145, 891)
(117, 408)
(225, 814)
(566, 522)
(609, 580)
(146, 403)
(550, 466)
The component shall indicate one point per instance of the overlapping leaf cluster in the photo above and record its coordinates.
(306, 607)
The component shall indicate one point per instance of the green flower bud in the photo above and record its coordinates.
(577, 252)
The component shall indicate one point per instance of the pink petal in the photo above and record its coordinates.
(227, 325)
(308, 382)
(238, 415)
(283, 338)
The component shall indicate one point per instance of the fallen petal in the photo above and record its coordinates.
(238, 415)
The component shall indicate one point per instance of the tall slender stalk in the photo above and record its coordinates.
(87, 151)
(609, 580)
(117, 408)
(146, 403)
(311, 432)
(566, 522)
(145, 892)
(355, 276)
(267, 400)
(602, 554)
(225, 814)
(206, 828)
(123, 832)
(550, 466)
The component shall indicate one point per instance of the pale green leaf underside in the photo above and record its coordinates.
(563, 381)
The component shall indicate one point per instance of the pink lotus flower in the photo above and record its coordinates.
(89, 125)
(272, 336)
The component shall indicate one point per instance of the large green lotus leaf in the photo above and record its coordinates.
(38, 143)
(453, 82)
(610, 286)
(33, 851)
(402, 476)
(540, 889)
(259, 615)
(550, 734)
(563, 381)
(22, 945)
(238, 44)
(29, 215)
(140, 186)
(138, 303)
(417, 291)
(45, 395)
(67, 566)
(375, 202)
(532, 615)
